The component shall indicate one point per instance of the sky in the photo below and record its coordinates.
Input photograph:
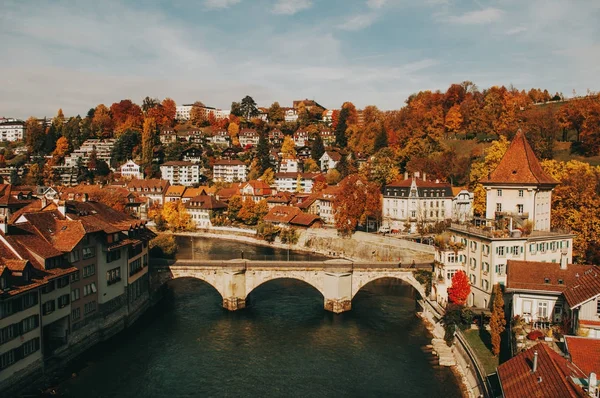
(75, 55)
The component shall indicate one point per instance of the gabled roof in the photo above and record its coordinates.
(151, 183)
(585, 353)
(580, 283)
(552, 378)
(519, 165)
(335, 156)
(206, 202)
(175, 190)
(281, 214)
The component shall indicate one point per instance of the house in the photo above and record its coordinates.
(284, 216)
(584, 353)
(462, 204)
(303, 153)
(174, 193)
(328, 137)
(301, 138)
(102, 149)
(183, 112)
(289, 181)
(289, 165)
(257, 190)
(181, 173)
(416, 200)
(327, 116)
(220, 138)
(229, 153)
(130, 169)
(153, 190)
(192, 154)
(329, 160)
(280, 198)
(168, 136)
(248, 137)
(290, 115)
(12, 130)
(482, 247)
(541, 372)
(224, 194)
(229, 170)
(202, 207)
(324, 204)
(541, 291)
(275, 137)
(193, 192)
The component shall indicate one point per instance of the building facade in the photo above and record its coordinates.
(181, 173)
(229, 170)
(130, 169)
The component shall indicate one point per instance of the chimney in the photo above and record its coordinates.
(62, 207)
(563, 261)
(592, 385)
(406, 175)
(424, 176)
(417, 174)
(4, 224)
(84, 198)
(535, 362)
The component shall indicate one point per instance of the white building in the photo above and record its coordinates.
(229, 170)
(301, 138)
(202, 207)
(291, 115)
(181, 173)
(416, 200)
(483, 247)
(248, 137)
(130, 169)
(462, 204)
(12, 129)
(152, 190)
(183, 112)
(103, 150)
(289, 166)
(220, 138)
(289, 181)
(329, 160)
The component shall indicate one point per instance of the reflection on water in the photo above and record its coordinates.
(283, 345)
(219, 249)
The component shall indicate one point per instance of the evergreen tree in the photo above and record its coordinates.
(263, 153)
(318, 148)
(124, 147)
(381, 140)
(340, 130)
(148, 138)
(498, 320)
(236, 109)
(248, 107)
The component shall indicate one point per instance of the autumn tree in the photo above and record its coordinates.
(177, 216)
(317, 148)
(288, 148)
(34, 136)
(382, 168)
(149, 103)
(498, 320)
(459, 292)
(234, 205)
(198, 115)
(311, 166)
(276, 113)
(169, 108)
(102, 123)
(126, 116)
(357, 201)
(233, 131)
(61, 150)
(481, 169)
(148, 140)
(268, 176)
(454, 120)
(340, 129)
(247, 212)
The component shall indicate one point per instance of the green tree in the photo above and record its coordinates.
(173, 151)
(248, 108)
(263, 153)
(498, 320)
(125, 147)
(381, 140)
(382, 168)
(236, 109)
(317, 148)
(340, 129)
(276, 113)
(148, 139)
(149, 103)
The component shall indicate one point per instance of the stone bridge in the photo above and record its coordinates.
(337, 280)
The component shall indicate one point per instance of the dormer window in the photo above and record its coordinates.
(561, 282)
(546, 281)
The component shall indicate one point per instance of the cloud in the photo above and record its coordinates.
(478, 17)
(220, 3)
(376, 3)
(516, 30)
(358, 22)
(290, 7)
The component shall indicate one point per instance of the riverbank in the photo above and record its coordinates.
(360, 247)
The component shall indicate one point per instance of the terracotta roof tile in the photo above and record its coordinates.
(585, 353)
(281, 214)
(519, 165)
(304, 219)
(551, 380)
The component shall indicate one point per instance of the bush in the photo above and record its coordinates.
(267, 231)
(424, 278)
(289, 235)
(455, 317)
(163, 246)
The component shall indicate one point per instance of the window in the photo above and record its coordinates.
(29, 300)
(75, 277)
(450, 274)
(30, 323)
(451, 258)
(113, 276)
(473, 279)
(89, 252)
(413, 213)
(7, 359)
(113, 256)
(520, 193)
(500, 269)
(561, 282)
(546, 280)
(598, 306)
(48, 307)
(62, 282)
(31, 346)
(89, 289)
(542, 309)
(520, 209)
(89, 307)
(75, 295)
(499, 192)
(76, 314)
(532, 248)
(49, 287)
(514, 250)
(486, 267)
(89, 270)
(485, 284)
(527, 307)
(63, 301)
(486, 250)
(9, 332)
(498, 206)
(500, 250)
(74, 256)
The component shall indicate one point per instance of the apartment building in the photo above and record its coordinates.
(181, 173)
(202, 207)
(102, 148)
(248, 137)
(289, 181)
(229, 170)
(12, 130)
(152, 190)
(516, 227)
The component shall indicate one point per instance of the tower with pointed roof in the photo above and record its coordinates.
(519, 187)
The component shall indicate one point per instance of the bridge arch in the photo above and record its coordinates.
(211, 278)
(361, 278)
(255, 279)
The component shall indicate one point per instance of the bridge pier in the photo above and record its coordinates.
(337, 286)
(337, 306)
(234, 289)
(234, 303)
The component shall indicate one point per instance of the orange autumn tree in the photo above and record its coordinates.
(460, 289)
(357, 201)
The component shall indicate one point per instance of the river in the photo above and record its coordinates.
(283, 345)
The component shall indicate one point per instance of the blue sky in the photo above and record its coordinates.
(77, 54)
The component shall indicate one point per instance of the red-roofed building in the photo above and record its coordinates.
(202, 207)
(541, 372)
(257, 190)
(584, 353)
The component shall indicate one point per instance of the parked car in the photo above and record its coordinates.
(384, 229)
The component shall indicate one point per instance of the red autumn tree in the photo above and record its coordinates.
(357, 201)
(460, 289)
